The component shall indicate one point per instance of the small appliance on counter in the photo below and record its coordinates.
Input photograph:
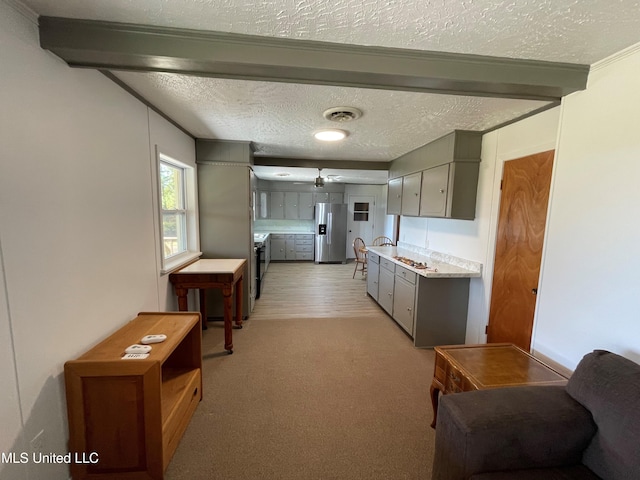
(331, 233)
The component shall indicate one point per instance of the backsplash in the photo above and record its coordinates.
(442, 257)
(283, 226)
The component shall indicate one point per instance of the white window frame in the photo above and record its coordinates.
(191, 252)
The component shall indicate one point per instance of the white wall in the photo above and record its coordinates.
(589, 296)
(78, 227)
(475, 239)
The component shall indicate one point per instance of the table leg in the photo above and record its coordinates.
(227, 294)
(183, 305)
(203, 308)
(239, 290)
(435, 393)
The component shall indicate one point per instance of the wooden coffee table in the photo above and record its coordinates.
(462, 368)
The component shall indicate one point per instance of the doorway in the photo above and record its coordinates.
(522, 218)
(361, 220)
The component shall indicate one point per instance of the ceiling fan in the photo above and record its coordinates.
(319, 180)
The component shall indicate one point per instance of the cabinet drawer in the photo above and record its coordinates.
(304, 237)
(408, 275)
(304, 255)
(304, 242)
(455, 381)
(440, 370)
(373, 257)
(277, 236)
(387, 264)
(304, 248)
(290, 237)
(186, 396)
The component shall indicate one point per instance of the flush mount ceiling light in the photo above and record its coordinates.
(319, 180)
(330, 135)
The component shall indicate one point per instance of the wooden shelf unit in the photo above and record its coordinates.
(133, 413)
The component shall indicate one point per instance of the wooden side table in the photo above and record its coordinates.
(225, 274)
(462, 368)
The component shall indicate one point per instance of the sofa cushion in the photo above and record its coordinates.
(577, 472)
(608, 385)
(509, 428)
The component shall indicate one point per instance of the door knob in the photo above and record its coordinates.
(534, 291)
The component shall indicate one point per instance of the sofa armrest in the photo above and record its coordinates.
(509, 428)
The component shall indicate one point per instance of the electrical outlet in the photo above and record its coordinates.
(37, 442)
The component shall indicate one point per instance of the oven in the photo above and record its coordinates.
(262, 247)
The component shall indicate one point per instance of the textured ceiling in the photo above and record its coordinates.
(280, 118)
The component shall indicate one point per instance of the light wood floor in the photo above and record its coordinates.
(304, 289)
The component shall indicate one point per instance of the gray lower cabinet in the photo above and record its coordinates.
(404, 296)
(373, 269)
(433, 311)
(278, 247)
(292, 247)
(304, 247)
(441, 311)
(385, 286)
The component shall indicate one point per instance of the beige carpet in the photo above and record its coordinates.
(317, 398)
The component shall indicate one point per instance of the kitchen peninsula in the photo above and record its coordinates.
(425, 292)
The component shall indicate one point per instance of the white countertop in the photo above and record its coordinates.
(435, 268)
(214, 265)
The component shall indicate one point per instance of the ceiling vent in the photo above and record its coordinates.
(342, 114)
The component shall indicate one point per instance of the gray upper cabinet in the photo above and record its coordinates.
(434, 191)
(447, 173)
(291, 205)
(336, 197)
(305, 206)
(277, 205)
(321, 197)
(394, 197)
(411, 194)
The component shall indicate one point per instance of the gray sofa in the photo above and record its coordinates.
(588, 430)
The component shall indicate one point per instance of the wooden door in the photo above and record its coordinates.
(521, 223)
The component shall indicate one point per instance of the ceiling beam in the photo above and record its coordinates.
(320, 163)
(118, 46)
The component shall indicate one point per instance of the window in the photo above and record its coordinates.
(177, 213)
(174, 212)
(361, 212)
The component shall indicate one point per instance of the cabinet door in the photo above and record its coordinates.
(411, 194)
(385, 290)
(277, 205)
(262, 204)
(394, 197)
(305, 206)
(278, 248)
(372, 279)
(336, 197)
(291, 205)
(321, 197)
(290, 247)
(404, 295)
(433, 194)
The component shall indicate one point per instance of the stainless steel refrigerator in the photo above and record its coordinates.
(331, 233)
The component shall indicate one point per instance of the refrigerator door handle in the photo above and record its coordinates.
(329, 227)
